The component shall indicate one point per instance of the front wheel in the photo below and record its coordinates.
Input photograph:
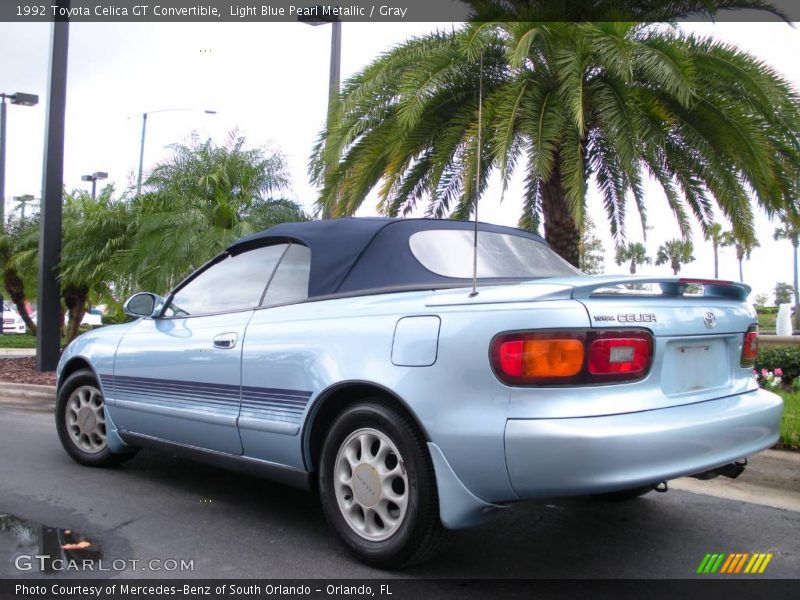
(378, 487)
(81, 422)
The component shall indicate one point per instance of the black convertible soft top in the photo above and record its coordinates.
(354, 254)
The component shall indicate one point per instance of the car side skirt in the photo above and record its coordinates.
(243, 464)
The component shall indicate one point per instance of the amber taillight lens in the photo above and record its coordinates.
(571, 357)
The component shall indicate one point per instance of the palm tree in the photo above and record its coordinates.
(743, 248)
(788, 231)
(200, 200)
(635, 252)
(564, 102)
(17, 240)
(98, 238)
(716, 236)
(675, 252)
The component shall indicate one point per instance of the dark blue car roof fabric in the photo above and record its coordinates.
(354, 254)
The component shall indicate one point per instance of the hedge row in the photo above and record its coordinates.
(785, 358)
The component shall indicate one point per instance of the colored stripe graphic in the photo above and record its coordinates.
(703, 563)
(717, 563)
(734, 563)
(728, 563)
(740, 564)
(269, 404)
(764, 564)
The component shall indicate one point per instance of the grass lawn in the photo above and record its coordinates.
(766, 322)
(790, 424)
(24, 340)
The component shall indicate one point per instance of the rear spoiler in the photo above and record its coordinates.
(670, 286)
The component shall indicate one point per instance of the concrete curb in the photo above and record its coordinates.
(17, 352)
(29, 397)
(27, 390)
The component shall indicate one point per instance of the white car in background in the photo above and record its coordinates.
(92, 318)
(12, 322)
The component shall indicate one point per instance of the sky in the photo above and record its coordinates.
(269, 82)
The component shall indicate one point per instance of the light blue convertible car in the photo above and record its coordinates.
(351, 356)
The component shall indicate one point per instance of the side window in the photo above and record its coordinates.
(290, 282)
(235, 283)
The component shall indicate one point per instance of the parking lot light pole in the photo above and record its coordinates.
(336, 63)
(93, 178)
(144, 132)
(48, 338)
(24, 201)
(20, 99)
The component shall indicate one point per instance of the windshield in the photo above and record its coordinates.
(448, 252)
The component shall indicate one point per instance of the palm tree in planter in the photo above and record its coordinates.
(635, 252)
(564, 102)
(743, 249)
(676, 253)
(790, 232)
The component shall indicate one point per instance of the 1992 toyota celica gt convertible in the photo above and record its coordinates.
(351, 356)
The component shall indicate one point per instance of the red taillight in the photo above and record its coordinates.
(623, 357)
(750, 347)
(571, 357)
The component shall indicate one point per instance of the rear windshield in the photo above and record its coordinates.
(448, 252)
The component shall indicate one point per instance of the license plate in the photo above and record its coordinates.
(695, 365)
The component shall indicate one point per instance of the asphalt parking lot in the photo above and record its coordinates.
(231, 526)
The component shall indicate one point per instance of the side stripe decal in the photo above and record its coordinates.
(271, 404)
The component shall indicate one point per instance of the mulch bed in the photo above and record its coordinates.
(23, 370)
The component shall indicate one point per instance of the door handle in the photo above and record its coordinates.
(225, 341)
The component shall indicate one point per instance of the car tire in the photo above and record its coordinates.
(623, 495)
(378, 488)
(80, 422)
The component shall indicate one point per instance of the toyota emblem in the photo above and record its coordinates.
(710, 320)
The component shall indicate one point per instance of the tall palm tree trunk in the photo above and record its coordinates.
(16, 290)
(716, 259)
(75, 301)
(633, 266)
(560, 229)
(795, 242)
(740, 258)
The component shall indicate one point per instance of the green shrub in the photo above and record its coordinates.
(786, 358)
(790, 423)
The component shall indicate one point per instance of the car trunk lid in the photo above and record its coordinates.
(699, 326)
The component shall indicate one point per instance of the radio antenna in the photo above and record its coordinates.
(477, 183)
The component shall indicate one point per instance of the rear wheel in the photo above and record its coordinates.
(81, 422)
(378, 487)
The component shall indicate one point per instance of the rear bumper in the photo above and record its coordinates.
(556, 457)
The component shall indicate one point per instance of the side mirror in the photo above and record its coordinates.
(143, 304)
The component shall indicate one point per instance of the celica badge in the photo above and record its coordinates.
(710, 320)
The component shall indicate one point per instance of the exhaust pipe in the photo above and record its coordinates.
(731, 471)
